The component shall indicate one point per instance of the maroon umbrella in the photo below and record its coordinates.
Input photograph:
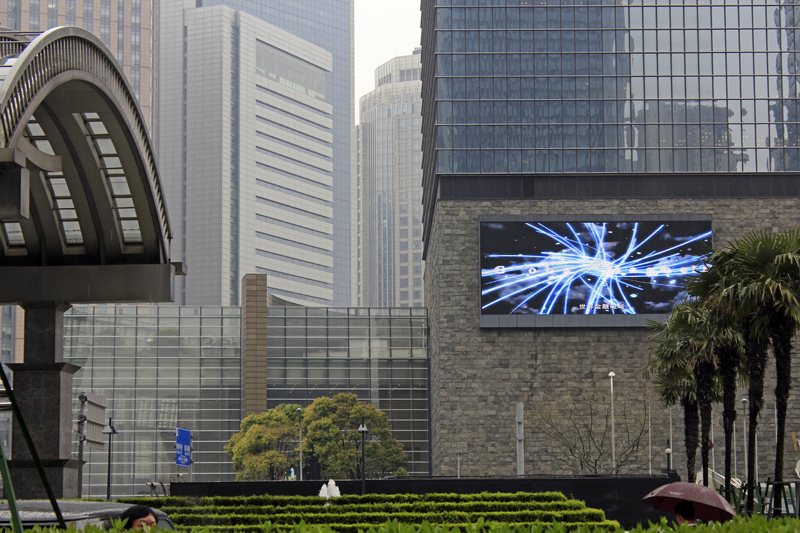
(708, 505)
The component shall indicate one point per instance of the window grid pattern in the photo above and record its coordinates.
(563, 87)
(380, 355)
(159, 367)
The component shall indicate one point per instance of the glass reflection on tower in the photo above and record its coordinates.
(548, 86)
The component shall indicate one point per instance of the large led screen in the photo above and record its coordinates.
(588, 268)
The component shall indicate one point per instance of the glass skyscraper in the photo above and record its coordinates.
(524, 86)
(329, 25)
(389, 195)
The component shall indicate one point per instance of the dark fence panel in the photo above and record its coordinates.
(619, 497)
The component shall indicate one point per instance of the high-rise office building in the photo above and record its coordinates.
(544, 121)
(248, 155)
(389, 209)
(309, 163)
(127, 27)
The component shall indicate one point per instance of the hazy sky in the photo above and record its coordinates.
(384, 29)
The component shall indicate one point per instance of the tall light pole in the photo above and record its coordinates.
(613, 429)
(363, 430)
(109, 430)
(300, 422)
(744, 437)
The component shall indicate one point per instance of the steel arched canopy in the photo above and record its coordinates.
(82, 210)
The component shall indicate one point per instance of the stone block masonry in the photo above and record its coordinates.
(477, 374)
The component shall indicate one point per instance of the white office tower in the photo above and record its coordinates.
(246, 152)
(389, 221)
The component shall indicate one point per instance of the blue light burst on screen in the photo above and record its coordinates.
(588, 267)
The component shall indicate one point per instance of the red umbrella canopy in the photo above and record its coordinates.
(708, 505)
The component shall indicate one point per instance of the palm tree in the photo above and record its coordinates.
(685, 368)
(758, 280)
(728, 352)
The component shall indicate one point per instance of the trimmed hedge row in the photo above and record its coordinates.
(336, 507)
(381, 498)
(453, 517)
(521, 527)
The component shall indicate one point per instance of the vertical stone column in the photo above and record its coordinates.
(254, 344)
(43, 389)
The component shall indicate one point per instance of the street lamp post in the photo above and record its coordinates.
(300, 421)
(744, 436)
(363, 430)
(613, 429)
(109, 430)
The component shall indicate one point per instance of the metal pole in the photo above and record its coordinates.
(735, 455)
(744, 438)
(520, 441)
(458, 460)
(650, 441)
(613, 429)
(110, 440)
(300, 422)
(363, 464)
(363, 430)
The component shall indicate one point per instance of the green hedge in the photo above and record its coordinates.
(523, 527)
(159, 503)
(452, 517)
(379, 498)
(336, 507)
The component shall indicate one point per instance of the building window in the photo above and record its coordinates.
(404, 221)
(418, 295)
(404, 295)
(418, 282)
(404, 234)
(417, 270)
(404, 270)
(404, 258)
(417, 257)
(404, 245)
(404, 283)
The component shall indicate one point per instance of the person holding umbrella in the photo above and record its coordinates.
(705, 504)
(684, 513)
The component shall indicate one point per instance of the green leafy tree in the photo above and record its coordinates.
(265, 445)
(330, 427)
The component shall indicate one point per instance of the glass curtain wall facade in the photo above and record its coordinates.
(159, 367)
(127, 27)
(524, 86)
(380, 355)
(389, 220)
(329, 25)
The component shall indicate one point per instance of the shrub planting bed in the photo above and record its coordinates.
(350, 514)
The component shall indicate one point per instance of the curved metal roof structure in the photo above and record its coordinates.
(82, 210)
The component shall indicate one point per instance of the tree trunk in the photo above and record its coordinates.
(704, 373)
(728, 359)
(782, 347)
(691, 430)
(756, 365)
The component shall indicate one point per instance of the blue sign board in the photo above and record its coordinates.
(183, 447)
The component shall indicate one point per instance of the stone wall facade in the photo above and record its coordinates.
(477, 374)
